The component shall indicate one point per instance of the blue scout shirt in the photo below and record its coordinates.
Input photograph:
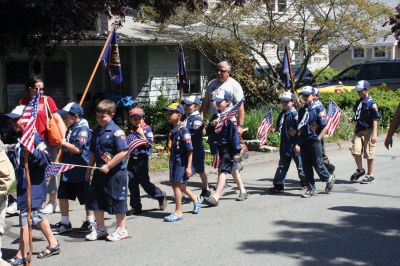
(365, 112)
(37, 161)
(287, 127)
(108, 142)
(149, 137)
(228, 137)
(79, 135)
(178, 145)
(194, 123)
(312, 120)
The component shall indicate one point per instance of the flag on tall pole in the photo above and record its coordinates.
(334, 114)
(182, 81)
(112, 60)
(286, 70)
(225, 117)
(265, 127)
(28, 122)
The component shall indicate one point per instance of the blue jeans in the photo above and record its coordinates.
(311, 156)
(284, 164)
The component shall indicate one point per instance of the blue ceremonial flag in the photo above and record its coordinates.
(286, 70)
(182, 81)
(112, 60)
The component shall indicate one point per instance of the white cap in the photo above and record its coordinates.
(16, 112)
(288, 96)
(361, 85)
(308, 90)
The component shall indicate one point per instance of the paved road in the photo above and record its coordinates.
(355, 225)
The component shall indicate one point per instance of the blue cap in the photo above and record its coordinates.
(175, 107)
(287, 96)
(191, 100)
(308, 90)
(362, 85)
(16, 112)
(71, 108)
(222, 95)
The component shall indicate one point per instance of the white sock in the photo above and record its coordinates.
(65, 219)
(90, 219)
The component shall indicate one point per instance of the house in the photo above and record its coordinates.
(384, 47)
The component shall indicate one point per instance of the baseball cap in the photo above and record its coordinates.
(287, 96)
(308, 90)
(192, 100)
(221, 95)
(137, 111)
(175, 107)
(72, 108)
(361, 85)
(317, 92)
(16, 112)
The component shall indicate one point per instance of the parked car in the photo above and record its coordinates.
(308, 77)
(376, 72)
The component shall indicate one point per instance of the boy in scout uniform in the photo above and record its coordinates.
(107, 191)
(180, 151)
(365, 133)
(288, 150)
(73, 182)
(194, 123)
(312, 121)
(138, 165)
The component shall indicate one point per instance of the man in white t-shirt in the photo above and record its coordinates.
(228, 84)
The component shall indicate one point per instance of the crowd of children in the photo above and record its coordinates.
(104, 189)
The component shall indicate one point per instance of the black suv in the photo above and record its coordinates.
(308, 77)
(376, 72)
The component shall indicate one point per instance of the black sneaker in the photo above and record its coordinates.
(86, 227)
(60, 228)
(277, 189)
(134, 211)
(368, 179)
(330, 183)
(357, 174)
(205, 193)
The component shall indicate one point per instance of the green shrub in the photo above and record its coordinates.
(326, 74)
(155, 116)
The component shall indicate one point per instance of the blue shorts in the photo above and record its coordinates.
(71, 191)
(108, 192)
(198, 160)
(227, 164)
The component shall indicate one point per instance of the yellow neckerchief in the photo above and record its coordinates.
(170, 135)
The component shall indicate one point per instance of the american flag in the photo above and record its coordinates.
(134, 141)
(264, 127)
(54, 169)
(231, 113)
(334, 114)
(28, 121)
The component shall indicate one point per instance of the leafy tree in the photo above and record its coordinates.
(395, 21)
(246, 31)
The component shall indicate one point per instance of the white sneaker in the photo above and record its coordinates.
(97, 234)
(49, 208)
(118, 234)
(12, 209)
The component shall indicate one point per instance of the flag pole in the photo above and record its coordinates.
(291, 77)
(90, 80)
(179, 78)
(28, 195)
(78, 165)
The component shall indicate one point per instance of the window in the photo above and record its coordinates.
(349, 74)
(359, 53)
(380, 52)
(276, 5)
(370, 71)
(192, 61)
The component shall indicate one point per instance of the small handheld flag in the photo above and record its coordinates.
(224, 118)
(264, 127)
(55, 169)
(334, 114)
(134, 141)
(112, 60)
(29, 121)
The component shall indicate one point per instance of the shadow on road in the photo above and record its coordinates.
(367, 236)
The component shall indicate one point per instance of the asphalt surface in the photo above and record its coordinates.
(354, 225)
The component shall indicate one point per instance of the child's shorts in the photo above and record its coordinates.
(227, 164)
(71, 191)
(36, 214)
(361, 143)
(177, 171)
(198, 160)
(108, 192)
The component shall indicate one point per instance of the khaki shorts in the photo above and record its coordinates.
(361, 143)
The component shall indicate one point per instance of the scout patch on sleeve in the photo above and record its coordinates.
(322, 114)
(296, 117)
(120, 134)
(83, 134)
(41, 146)
(198, 123)
(149, 135)
(187, 138)
(375, 106)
